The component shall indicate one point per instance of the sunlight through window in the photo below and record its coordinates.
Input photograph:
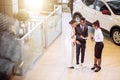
(34, 4)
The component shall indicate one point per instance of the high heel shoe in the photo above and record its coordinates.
(98, 69)
(95, 65)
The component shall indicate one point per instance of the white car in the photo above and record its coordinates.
(106, 11)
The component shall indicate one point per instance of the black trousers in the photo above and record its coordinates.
(81, 48)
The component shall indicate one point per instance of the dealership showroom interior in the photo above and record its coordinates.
(59, 39)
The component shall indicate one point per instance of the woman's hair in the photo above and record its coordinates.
(96, 23)
(72, 21)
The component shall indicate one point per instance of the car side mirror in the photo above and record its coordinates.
(106, 12)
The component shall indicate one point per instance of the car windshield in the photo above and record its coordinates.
(115, 6)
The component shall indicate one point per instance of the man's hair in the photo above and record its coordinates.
(83, 18)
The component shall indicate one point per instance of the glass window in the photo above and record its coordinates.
(100, 6)
(115, 6)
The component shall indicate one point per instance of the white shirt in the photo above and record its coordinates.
(82, 27)
(98, 35)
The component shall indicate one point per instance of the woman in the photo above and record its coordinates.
(70, 42)
(98, 38)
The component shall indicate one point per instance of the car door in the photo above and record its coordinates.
(103, 14)
(89, 10)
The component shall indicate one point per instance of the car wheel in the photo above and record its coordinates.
(116, 36)
(77, 17)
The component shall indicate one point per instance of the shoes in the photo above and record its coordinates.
(77, 66)
(98, 69)
(81, 64)
(95, 66)
(71, 67)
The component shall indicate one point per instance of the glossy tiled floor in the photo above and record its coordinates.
(52, 65)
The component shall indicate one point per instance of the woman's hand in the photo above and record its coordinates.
(72, 37)
(92, 38)
(73, 44)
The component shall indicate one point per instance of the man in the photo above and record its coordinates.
(81, 36)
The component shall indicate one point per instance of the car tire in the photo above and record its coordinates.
(77, 17)
(116, 36)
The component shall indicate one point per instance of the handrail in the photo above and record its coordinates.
(53, 12)
(28, 33)
(59, 7)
